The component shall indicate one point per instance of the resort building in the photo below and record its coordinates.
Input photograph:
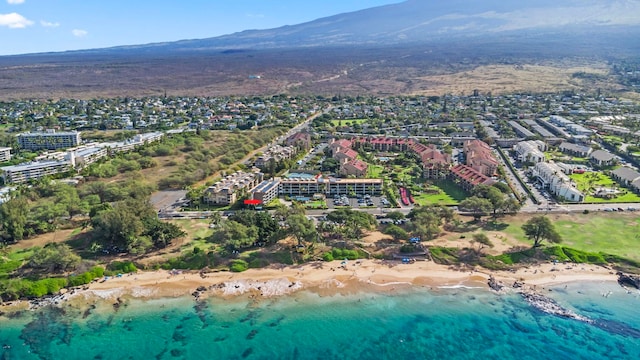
(329, 186)
(84, 157)
(49, 140)
(530, 151)
(230, 189)
(266, 191)
(274, 153)
(468, 178)
(5, 154)
(553, 178)
(480, 157)
(17, 174)
(435, 163)
(130, 144)
(355, 167)
(339, 145)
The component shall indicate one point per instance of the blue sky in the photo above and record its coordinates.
(29, 26)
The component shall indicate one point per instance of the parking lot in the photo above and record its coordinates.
(355, 202)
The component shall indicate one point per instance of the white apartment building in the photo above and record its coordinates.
(530, 151)
(5, 154)
(17, 174)
(49, 140)
(558, 183)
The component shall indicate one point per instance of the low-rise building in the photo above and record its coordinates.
(230, 189)
(5, 154)
(354, 167)
(300, 140)
(553, 178)
(602, 158)
(329, 186)
(274, 153)
(627, 177)
(480, 157)
(18, 174)
(468, 178)
(575, 149)
(530, 151)
(266, 191)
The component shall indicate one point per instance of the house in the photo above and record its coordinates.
(574, 149)
(602, 158)
(480, 157)
(354, 167)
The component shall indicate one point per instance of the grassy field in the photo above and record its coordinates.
(617, 234)
(348, 122)
(589, 181)
(448, 194)
(375, 171)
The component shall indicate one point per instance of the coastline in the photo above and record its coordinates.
(323, 278)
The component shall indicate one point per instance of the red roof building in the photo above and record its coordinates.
(480, 157)
(468, 177)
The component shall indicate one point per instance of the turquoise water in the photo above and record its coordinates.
(421, 324)
(300, 176)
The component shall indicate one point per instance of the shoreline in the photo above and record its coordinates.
(323, 278)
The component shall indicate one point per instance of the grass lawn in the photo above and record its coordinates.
(316, 204)
(348, 122)
(375, 171)
(617, 233)
(195, 228)
(589, 181)
(448, 194)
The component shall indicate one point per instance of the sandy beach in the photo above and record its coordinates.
(329, 278)
(324, 278)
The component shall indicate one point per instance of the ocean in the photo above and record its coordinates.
(420, 323)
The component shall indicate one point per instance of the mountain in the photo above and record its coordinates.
(419, 21)
(416, 46)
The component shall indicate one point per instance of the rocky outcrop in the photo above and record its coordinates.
(628, 280)
(494, 284)
(550, 306)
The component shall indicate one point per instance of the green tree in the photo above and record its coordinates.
(539, 229)
(54, 257)
(163, 233)
(395, 215)
(482, 240)
(14, 215)
(235, 235)
(476, 206)
(301, 228)
(397, 232)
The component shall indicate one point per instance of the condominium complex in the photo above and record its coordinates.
(329, 186)
(480, 157)
(49, 140)
(228, 190)
(530, 151)
(559, 184)
(22, 173)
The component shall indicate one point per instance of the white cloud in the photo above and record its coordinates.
(14, 21)
(49, 24)
(15, 2)
(79, 32)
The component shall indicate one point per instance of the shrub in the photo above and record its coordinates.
(238, 265)
(327, 256)
(123, 267)
(258, 263)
